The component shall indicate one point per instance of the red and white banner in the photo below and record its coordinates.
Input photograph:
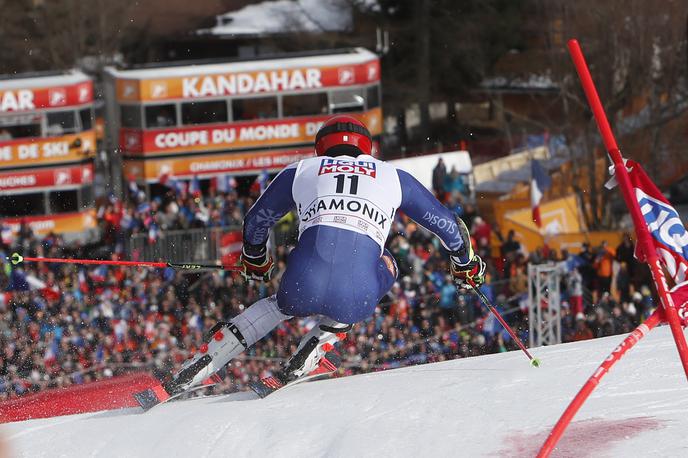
(237, 135)
(41, 178)
(230, 247)
(18, 100)
(669, 235)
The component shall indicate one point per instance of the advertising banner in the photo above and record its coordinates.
(211, 165)
(41, 178)
(240, 135)
(18, 100)
(246, 83)
(43, 151)
(60, 224)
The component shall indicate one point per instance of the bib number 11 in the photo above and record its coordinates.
(353, 186)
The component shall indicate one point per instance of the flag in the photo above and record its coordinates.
(5, 298)
(263, 179)
(133, 187)
(230, 247)
(99, 274)
(164, 175)
(539, 182)
(143, 208)
(195, 187)
(178, 186)
(153, 233)
(6, 234)
(679, 294)
(669, 235)
(225, 183)
(83, 283)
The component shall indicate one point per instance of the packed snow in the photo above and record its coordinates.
(494, 405)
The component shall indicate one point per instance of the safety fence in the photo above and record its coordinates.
(189, 245)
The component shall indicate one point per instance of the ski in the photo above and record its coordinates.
(268, 385)
(157, 394)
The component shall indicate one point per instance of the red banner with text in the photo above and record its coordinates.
(21, 100)
(240, 135)
(43, 178)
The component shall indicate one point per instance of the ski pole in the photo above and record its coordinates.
(17, 259)
(533, 361)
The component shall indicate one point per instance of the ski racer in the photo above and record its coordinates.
(339, 270)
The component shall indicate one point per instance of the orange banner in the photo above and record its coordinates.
(42, 151)
(59, 224)
(213, 164)
(233, 136)
(246, 83)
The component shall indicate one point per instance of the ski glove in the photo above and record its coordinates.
(256, 263)
(471, 272)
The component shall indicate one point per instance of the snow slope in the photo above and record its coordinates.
(495, 405)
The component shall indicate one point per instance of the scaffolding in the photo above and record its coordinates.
(544, 304)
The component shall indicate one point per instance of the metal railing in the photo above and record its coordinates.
(189, 245)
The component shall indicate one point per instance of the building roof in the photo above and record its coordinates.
(284, 16)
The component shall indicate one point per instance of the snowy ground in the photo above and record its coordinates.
(494, 405)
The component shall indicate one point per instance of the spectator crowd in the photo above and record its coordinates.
(63, 324)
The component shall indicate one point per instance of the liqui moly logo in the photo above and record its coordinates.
(664, 223)
(344, 166)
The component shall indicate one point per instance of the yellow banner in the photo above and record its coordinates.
(42, 151)
(59, 224)
(560, 216)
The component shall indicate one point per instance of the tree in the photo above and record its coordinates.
(636, 51)
(53, 35)
(440, 50)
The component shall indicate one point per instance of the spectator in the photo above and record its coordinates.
(585, 266)
(625, 254)
(575, 291)
(453, 182)
(582, 331)
(603, 265)
(93, 322)
(439, 175)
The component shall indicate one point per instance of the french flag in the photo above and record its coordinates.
(83, 283)
(539, 183)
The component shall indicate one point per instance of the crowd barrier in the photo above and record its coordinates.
(188, 245)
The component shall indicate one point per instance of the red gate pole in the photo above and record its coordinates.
(642, 233)
(594, 380)
(667, 310)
